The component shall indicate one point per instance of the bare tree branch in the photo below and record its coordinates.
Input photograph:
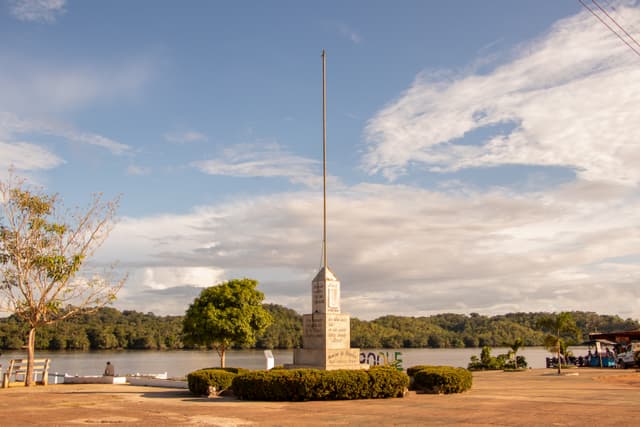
(42, 255)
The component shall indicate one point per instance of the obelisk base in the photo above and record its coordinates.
(325, 343)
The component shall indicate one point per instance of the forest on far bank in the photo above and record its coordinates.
(109, 329)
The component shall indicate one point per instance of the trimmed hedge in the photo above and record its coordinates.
(441, 379)
(199, 381)
(386, 381)
(412, 370)
(313, 384)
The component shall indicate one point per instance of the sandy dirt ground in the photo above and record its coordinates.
(539, 397)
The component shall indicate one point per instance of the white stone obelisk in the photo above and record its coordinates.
(326, 337)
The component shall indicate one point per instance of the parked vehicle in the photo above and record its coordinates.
(628, 355)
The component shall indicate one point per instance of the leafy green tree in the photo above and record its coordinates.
(560, 328)
(42, 248)
(227, 314)
(108, 328)
(284, 332)
(485, 355)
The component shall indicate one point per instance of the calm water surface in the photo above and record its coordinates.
(180, 363)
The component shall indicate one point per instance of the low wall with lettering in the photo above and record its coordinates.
(381, 358)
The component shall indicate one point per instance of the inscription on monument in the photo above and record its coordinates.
(313, 327)
(337, 331)
(318, 295)
(347, 356)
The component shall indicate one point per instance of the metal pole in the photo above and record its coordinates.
(324, 161)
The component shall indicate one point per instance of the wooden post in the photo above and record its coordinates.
(45, 373)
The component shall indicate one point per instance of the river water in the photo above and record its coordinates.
(181, 362)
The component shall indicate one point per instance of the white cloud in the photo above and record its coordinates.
(90, 138)
(432, 252)
(12, 125)
(262, 160)
(37, 10)
(171, 277)
(185, 137)
(26, 157)
(567, 99)
(170, 300)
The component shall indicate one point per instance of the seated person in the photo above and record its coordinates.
(109, 370)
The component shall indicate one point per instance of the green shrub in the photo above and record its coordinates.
(341, 385)
(486, 362)
(442, 379)
(199, 381)
(313, 384)
(412, 370)
(227, 369)
(387, 381)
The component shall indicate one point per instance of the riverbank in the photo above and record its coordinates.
(536, 397)
(179, 363)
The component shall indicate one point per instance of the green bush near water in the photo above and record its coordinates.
(440, 379)
(412, 370)
(199, 381)
(313, 384)
(387, 381)
(487, 362)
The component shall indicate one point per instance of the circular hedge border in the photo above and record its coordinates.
(314, 384)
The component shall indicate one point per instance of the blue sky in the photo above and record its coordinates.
(482, 155)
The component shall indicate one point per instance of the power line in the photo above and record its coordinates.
(609, 27)
(613, 8)
(616, 22)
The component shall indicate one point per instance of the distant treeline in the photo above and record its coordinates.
(109, 328)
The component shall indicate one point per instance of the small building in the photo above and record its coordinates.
(619, 337)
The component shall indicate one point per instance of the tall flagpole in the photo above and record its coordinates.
(324, 162)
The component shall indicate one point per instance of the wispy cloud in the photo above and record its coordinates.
(349, 33)
(343, 30)
(138, 170)
(43, 86)
(12, 125)
(185, 137)
(37, 10)
(261, 160)
(568, 99)
(26, 157)
(34, 92)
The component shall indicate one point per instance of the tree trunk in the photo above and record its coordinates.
(31, 349)
(559, 349)
(220, 349)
